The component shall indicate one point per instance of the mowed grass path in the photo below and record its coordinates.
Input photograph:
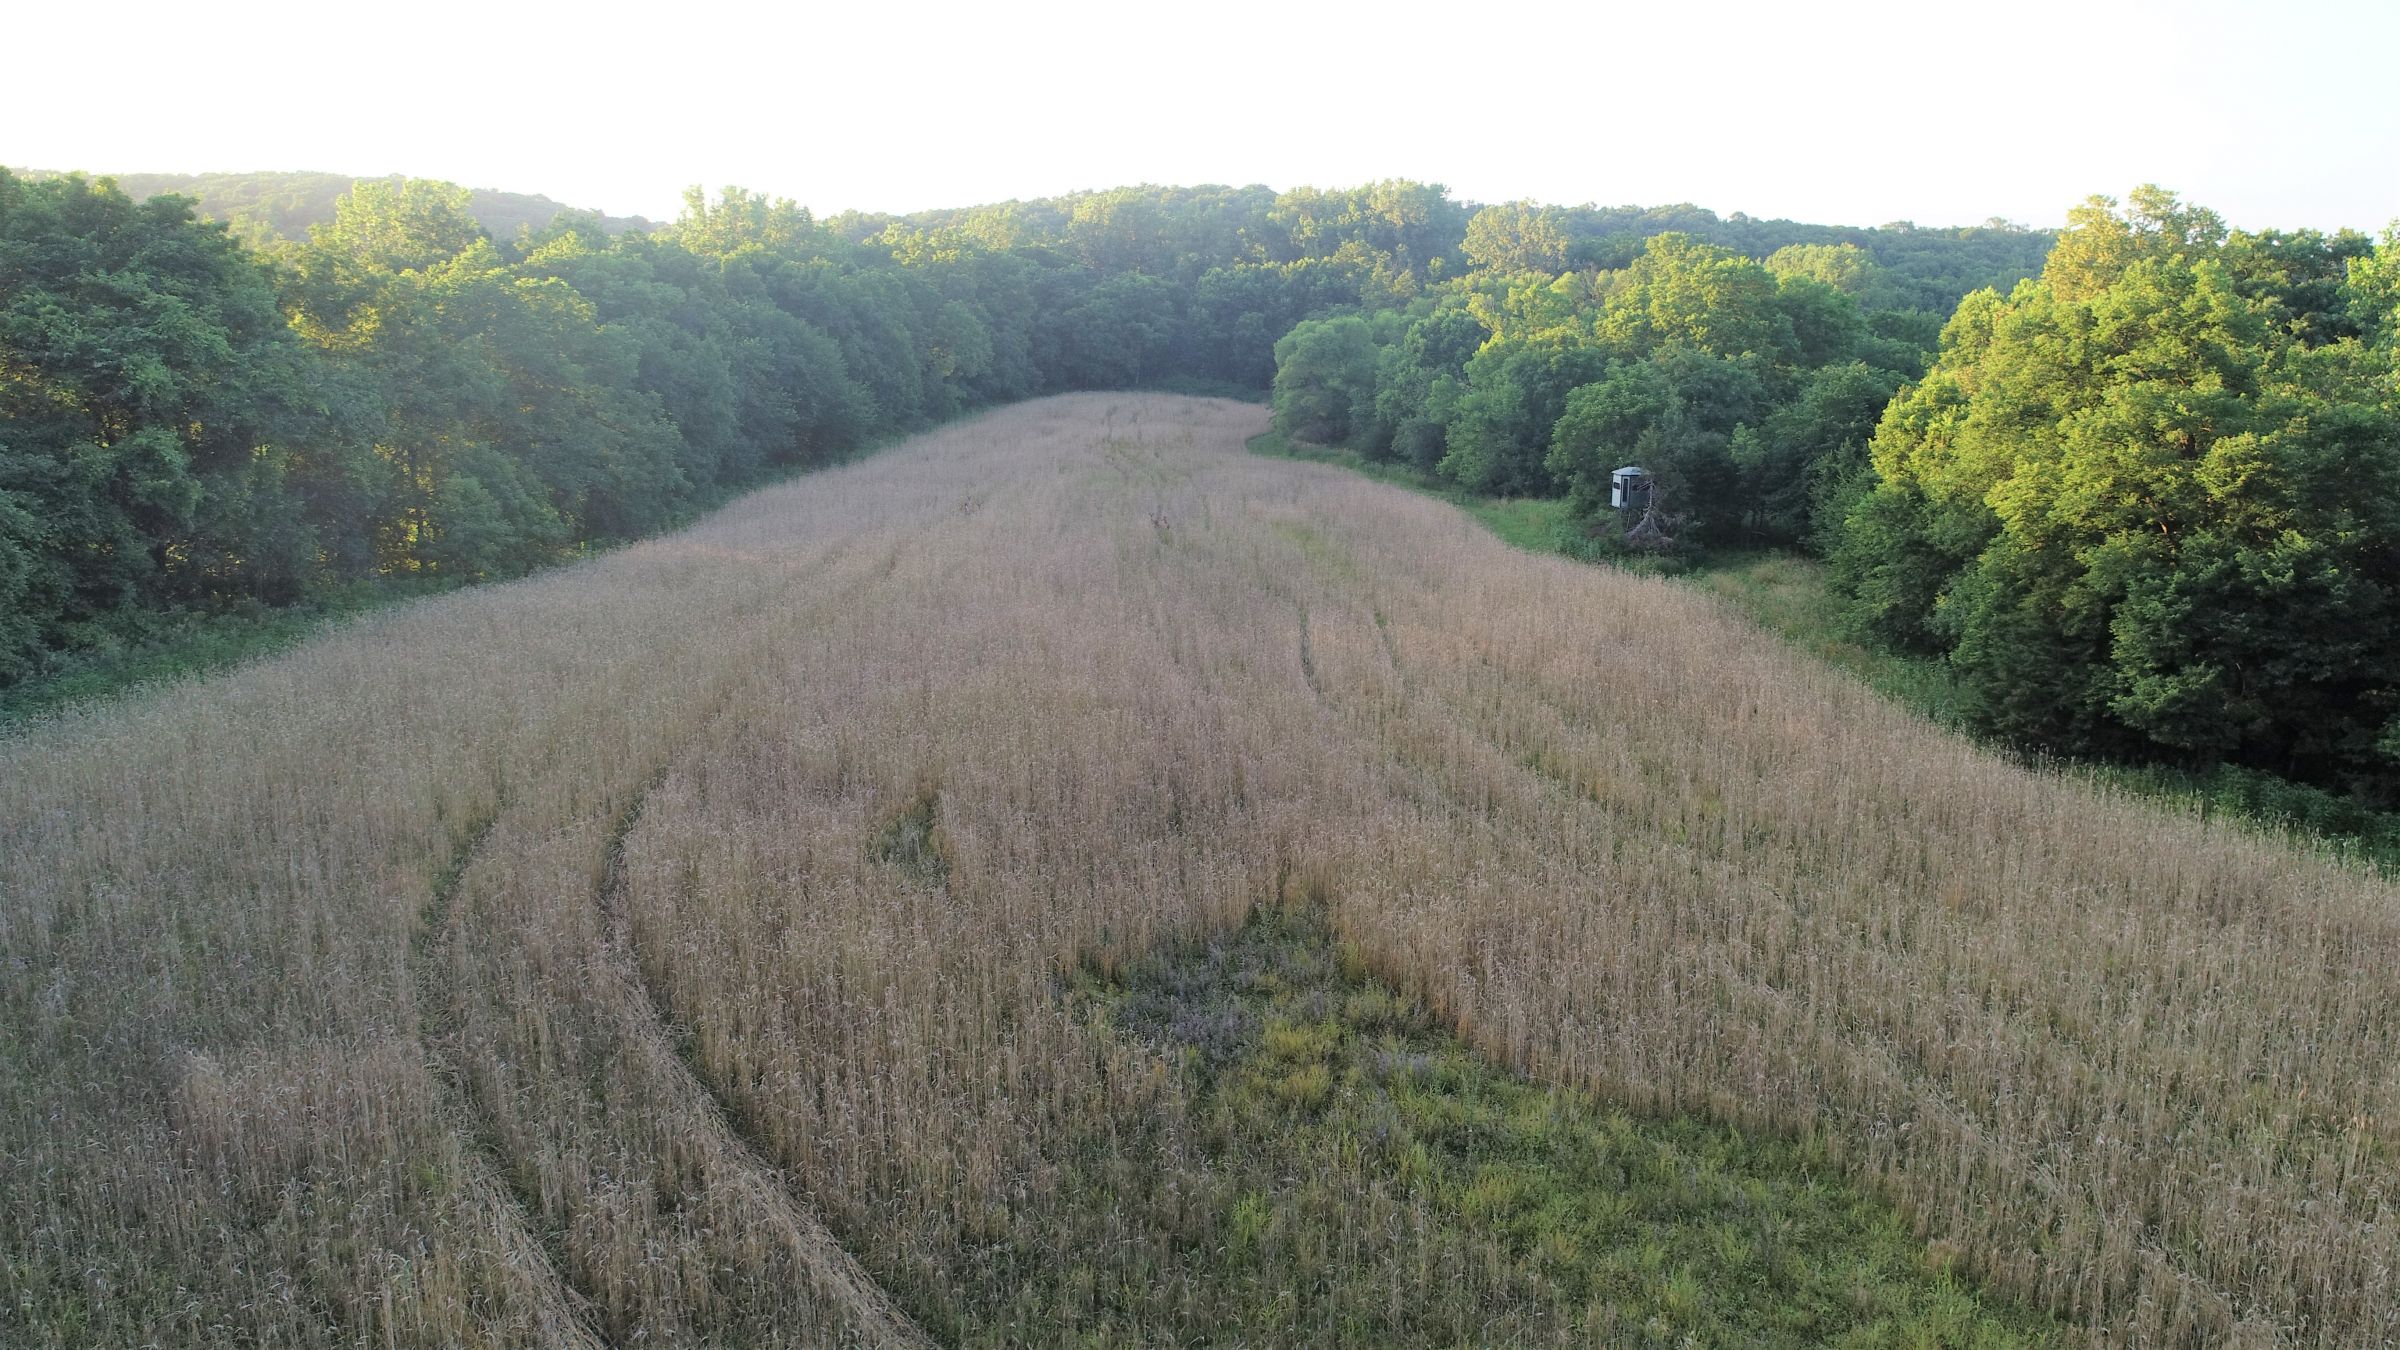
(713, 943)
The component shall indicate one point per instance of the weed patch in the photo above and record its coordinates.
(1383, 1184)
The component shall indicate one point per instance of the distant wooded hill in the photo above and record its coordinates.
(285, 205)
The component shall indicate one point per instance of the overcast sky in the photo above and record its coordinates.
(2283, 114)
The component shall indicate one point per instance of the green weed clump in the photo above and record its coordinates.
(1385, 1184)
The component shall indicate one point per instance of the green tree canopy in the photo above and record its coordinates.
(1712, 299)
(1507, 411)
(1518, 237)
(2140, 514)
(1325, 379)
(163, 439)
(1676, 412)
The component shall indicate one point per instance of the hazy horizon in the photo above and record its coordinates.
(1875, 114)
(668, 214)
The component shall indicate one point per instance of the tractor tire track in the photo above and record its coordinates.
(567, 1313)
(813, 1245)
(750, 1170)
(570, 1313)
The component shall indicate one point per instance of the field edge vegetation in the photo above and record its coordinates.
(1791, 595)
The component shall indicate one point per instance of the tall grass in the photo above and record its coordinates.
(578, 959)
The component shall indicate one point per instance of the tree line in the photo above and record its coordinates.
(2135, 489)
(1740, 384)
(195, 418)
(2143, 500)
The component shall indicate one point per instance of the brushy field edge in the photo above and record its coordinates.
(1790, 595)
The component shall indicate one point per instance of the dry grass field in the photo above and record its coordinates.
(755, 936)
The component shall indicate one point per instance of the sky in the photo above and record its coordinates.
(2276, 115)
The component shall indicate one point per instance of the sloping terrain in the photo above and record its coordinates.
(286, 204)
(710, 942)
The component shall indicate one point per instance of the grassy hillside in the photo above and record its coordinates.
(284, 205)
(1069, 880)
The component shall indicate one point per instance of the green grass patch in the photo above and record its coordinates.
(1792, 597)
(1350, 1172)
(1535, 524)
(912, 841)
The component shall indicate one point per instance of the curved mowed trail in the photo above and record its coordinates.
(679, 946)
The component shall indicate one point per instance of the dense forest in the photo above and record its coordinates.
(2137, 489)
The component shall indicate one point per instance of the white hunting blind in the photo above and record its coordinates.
(1629, 487)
